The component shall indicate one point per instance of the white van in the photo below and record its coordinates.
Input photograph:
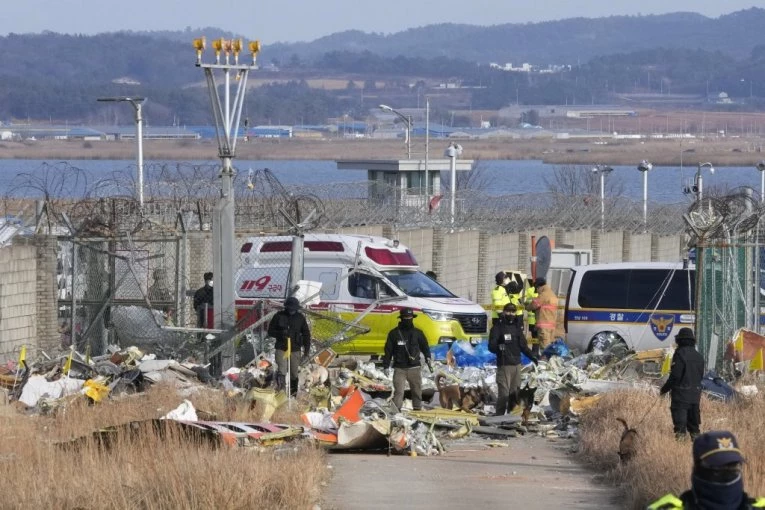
(640, 304)
(386, 279)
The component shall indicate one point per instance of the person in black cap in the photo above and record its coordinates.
(204, 296)
(403, 348)
(290, 324)
(684, 382)
(716, 481)
(507, 342)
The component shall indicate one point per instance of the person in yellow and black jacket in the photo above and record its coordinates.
(499, 297)
(716, 481)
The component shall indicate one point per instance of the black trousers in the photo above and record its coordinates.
(686, 417)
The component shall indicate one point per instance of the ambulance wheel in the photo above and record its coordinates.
(605, 340)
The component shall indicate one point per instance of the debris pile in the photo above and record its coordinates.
(344, 402)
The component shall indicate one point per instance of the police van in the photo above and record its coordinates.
(639, 304)
(385, 279)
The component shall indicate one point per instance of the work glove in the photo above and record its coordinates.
(535, 361)
(389, 373)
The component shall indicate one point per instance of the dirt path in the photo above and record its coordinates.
(532, 472)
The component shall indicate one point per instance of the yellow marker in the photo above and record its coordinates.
(68, 364)
(757, 362)
(738, 345)
(23, 355)
(666, 365)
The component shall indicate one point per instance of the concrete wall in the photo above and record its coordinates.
(639, 247)
(669, 248)
(460, 263)
(611, 247)
(18, 299)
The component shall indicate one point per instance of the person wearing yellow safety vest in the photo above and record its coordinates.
(546, 306)
(716, 481)
(499, 297)
(529, 297)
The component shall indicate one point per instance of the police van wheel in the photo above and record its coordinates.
(604, 341)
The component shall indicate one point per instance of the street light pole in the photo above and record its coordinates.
(761, 168)
(452, 152)
(137, 103)
(602, 170)
(408, 120)
(644, 167)
(700, 179)
(427, 147)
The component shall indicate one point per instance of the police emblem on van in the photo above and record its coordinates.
(661, 325)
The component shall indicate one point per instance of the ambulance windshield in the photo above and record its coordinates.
(417, 284)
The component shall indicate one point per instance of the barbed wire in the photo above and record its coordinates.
(109, 205)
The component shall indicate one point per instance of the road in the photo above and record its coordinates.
(532, 472)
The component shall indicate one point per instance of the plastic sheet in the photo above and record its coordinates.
(557, 348)
(467, 355)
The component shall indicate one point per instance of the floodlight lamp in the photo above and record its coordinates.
(761, 166)
(199, 45)
(228, 46)
(254, 48)
(217, 45)
(386, 108)
(645, 166)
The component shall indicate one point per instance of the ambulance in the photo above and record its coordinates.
(363, 279)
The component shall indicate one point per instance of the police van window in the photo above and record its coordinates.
(604, 289)
(361, 285)
(660, 289)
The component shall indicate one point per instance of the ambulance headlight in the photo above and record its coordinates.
(438, 315)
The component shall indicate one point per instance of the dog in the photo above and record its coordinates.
(526, 400)
(313, 375)
(628, 442)
(451, 395)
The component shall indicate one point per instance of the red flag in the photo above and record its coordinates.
(434, 203)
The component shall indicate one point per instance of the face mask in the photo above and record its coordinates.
(407, 324)
(506, 281)
(209, 283)
(291, 312)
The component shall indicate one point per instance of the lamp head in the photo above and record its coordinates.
(386, 108)
(761, 166)
(645, 166)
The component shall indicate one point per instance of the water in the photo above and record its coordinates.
(500, 177)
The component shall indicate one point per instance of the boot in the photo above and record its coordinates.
(281, 382)
(293, 387)
(680, 436)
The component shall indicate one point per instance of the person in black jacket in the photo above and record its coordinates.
(204, 296)
(290, 324)
(684, 382)
(507, 342)
(403, 348)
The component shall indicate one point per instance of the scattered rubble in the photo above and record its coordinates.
(345, 402)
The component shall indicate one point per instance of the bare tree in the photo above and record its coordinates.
(572, 180)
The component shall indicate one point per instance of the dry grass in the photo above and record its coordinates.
(721, 152)
(662, 464)
(150, 472)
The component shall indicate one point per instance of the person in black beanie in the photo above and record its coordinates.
(684, 383)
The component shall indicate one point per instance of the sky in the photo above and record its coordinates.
(306, 20)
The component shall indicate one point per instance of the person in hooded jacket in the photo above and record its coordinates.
(507, 342)
(684, 383)
(290, 324)
(403, 348)
(716, 481)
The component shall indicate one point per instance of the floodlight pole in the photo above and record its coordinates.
(602, 170)
(137, 103)
(227, 116)
(700, 179)
(452, 152)
(644, 167)
(761, 168)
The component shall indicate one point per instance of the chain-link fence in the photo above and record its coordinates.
(727, 234)
(125, 271)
